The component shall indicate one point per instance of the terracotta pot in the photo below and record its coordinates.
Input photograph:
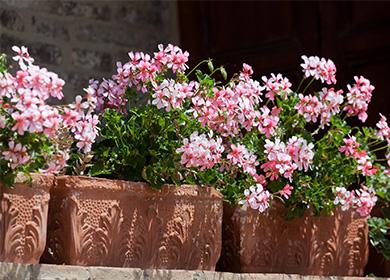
(266, 243)
(23, 220)
(116, 223)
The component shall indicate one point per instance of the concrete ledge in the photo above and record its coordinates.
(12, 271)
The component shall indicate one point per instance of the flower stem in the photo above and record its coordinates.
(193, 69)
(215, 70)
(380, 148)
(300, 84)
(308, 85)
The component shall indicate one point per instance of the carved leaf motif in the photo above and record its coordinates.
(109, 229)
(82, 234)
(13, 231)
(310, 245)
(144, 238)
(210, 251)
(35, 230)
(177, 240)
(34, 240)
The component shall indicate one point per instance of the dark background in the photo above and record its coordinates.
(272, 36)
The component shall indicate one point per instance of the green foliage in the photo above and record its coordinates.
(3, 63)
(380, 234)
(141, 146)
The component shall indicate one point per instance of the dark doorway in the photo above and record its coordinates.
(272, 36)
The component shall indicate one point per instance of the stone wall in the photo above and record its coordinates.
(83, 39)
(10, 271)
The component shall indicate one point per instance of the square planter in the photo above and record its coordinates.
(23, 220)
(103, 222)
(309, 245)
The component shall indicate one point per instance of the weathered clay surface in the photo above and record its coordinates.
(23, 220)
(126, 224)
(265, 243)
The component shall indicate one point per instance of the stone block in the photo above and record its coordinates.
(103, 273)
(92, 60)
(84, 9)
(50, 28)
(11, 271)
(60, 272)
(11, 20)
(114, 35)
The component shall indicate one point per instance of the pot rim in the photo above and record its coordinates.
(113, 185)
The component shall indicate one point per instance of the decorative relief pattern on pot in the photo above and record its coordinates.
(134, 227)
(325, 245)
(81, 231)
(23, 221)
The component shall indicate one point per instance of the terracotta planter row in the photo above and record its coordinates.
(94, 221)
(116, 223)
(310, 245)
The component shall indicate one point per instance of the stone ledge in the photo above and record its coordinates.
(12, 271)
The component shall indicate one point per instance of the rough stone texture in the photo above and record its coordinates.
(11, 271)
(116, 223)
(83, 39)
(267, 243)
(23, 220)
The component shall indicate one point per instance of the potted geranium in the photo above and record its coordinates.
(268, 146)
(296, 149)
(29, 153)
(139, 212)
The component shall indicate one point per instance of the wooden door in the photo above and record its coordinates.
(272, 36)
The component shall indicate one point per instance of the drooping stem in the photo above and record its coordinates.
(308, 85)
(197, 66)
(380, 148)
(300, 84)
(215, 70)
(374, 143)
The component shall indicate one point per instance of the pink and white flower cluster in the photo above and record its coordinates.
(256, 197)
(141, 69)
(16, 154)
(383, 129)
(301, 152)
(363, 199)
(24, 98)
(232, 107)
(268, 121)
(243, 158)
(319, 69)
(350, 148)
(358, 97)
(323, 107)
(170, 94)
(283, 160)
(276, 85)
(201, 151)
